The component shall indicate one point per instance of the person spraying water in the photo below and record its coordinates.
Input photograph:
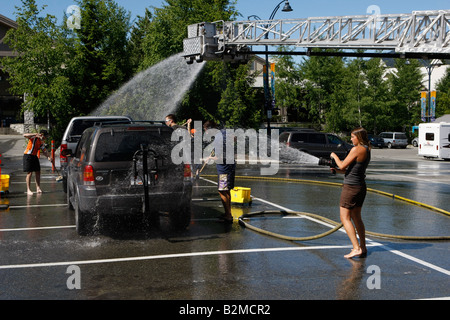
(354, 190)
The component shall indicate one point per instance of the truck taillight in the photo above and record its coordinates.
(62, 158)
(88, 176)
(187, 172)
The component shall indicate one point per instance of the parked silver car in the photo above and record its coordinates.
(126, 169)
(394, 139)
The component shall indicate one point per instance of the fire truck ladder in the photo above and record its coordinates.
(424, 34)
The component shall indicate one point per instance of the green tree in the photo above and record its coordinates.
(375, 97)
(288, 84)
(222, 91)
(39, 71)
(443, 95)
(405, 86)
(353, 94)
(323, 83)
(238, 104)
(101, 59)
(138, 34)
(164, 35)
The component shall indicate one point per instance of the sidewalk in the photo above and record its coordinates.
(11, 151)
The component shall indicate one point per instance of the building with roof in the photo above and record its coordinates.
(9, 103)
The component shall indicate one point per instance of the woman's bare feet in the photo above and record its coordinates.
(356, 253)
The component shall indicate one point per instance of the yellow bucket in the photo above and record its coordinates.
(4, 183)
(241, 195)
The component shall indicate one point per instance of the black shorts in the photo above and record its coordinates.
(31, 163)
(352, 196)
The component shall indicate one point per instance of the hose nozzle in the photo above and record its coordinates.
(327, 163)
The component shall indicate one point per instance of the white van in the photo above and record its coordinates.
(73, 133)
(434, 140)
(394, 139)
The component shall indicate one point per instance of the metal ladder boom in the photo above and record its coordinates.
(419, 32)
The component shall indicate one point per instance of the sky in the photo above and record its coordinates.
(262, 8)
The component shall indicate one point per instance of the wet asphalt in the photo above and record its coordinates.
(40, 249)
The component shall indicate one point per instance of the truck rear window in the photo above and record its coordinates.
(78, 126)
(121, 146)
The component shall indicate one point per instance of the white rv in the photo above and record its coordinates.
(434, 140)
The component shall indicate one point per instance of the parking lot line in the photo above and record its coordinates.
(371, 242)
(169, 256)
(205, 253)
(385, 247)
(38, 206)
(37, 228)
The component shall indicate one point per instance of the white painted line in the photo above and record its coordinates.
(39, 206)
(404, 255)
(168, 256)
(192, 254)
(37, 228)
(43, 181)
(210, 181)
(417, 260)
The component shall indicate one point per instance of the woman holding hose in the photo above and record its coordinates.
(354, 190)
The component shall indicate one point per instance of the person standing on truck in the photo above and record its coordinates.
(31, 161)
(354, 190)
(171, 121)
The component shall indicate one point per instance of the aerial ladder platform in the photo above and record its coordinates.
(421, 34)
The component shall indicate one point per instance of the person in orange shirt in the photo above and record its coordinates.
(31, 161)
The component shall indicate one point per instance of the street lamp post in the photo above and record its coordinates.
(268, 96)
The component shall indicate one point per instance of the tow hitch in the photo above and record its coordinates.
(149, 177)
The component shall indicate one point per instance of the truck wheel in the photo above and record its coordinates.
(69, 203)
(84, 221)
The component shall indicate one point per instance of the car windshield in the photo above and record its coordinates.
(122, 145)
(334, 140)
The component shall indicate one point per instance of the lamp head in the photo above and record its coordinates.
(287, 7)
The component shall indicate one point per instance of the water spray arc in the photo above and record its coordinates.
(153, 93)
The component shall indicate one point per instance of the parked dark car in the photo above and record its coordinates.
(376, 141)
(108, 176)
(318, 144)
